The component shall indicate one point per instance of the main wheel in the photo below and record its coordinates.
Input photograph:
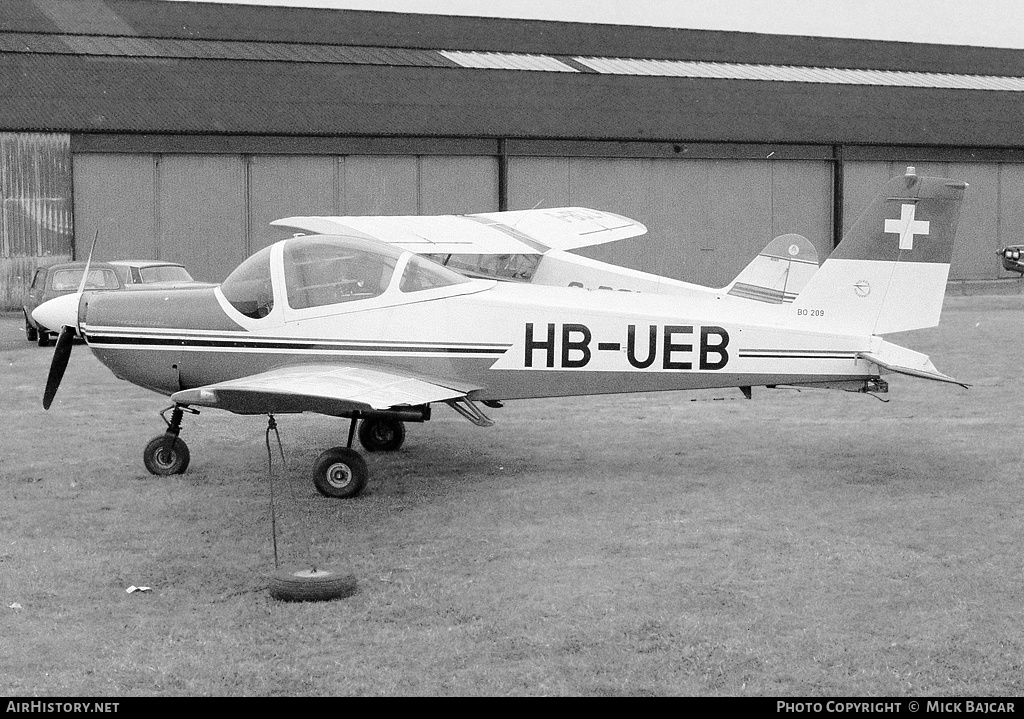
(42, 337)
(30, 330)
(381, 435)
(340, 473)
(311, 585)
(166, 455)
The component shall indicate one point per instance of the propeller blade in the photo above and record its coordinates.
(65, 308)
(59, 363)
(88, 263)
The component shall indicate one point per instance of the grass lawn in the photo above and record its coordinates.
(803, 543)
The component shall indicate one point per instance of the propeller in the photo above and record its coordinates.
(59, 363)
(62, 310)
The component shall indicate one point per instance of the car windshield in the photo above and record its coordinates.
(164, 273)
(248, 288)
(99, 279)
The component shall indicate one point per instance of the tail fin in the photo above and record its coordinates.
(778, 273)
(889, 273)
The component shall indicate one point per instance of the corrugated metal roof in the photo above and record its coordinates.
(66, 93)
(218, 21)
(118, 46)
(776, 73)
(507, 61)
(137, 66)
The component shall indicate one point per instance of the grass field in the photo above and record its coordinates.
(803, 543)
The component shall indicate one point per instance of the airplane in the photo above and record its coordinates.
(360, 324)
(1013, 258)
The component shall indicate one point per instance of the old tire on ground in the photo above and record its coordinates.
(311, 585)
(381, 435)
(165, 455)
(30, 330)
(340, 473)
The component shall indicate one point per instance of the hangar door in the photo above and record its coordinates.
(991, 218)
(706, 218)
(210, 211)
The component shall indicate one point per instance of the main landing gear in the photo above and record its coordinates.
(339, 472)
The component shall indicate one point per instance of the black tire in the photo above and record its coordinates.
(166, 455)
(381, 435)
(311, 585)
(30, 330)
(42, 337)
(340, 473)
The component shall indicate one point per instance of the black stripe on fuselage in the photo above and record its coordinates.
(298, 345)
(797, 354)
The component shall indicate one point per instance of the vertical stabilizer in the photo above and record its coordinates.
(889, 273)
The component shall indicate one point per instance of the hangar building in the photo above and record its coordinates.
(178, 130)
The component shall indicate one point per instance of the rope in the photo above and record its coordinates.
(272, 425)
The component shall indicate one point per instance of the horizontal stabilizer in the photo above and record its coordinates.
(903, 361)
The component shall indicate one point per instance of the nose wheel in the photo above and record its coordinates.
(167, 453)
(165, 456)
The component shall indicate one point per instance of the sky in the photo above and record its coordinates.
(986, 23)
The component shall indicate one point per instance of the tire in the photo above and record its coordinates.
(30, 330)
(42, 337)
(311, 585)
(165, 455)
(340, 473)
(381, 435)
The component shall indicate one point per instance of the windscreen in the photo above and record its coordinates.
(249, 288)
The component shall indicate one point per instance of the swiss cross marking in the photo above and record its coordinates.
(906, 227)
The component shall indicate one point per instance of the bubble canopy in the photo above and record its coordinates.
(321, 270)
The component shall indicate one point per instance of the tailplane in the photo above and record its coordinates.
(889, 273)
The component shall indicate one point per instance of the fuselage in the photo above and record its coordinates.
(511, 340)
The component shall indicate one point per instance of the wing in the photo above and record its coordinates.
(322, 388)
(522, 232)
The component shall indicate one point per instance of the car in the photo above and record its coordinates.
(64, 278)
(1013, 258)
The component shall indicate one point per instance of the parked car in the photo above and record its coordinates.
(64, 278)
